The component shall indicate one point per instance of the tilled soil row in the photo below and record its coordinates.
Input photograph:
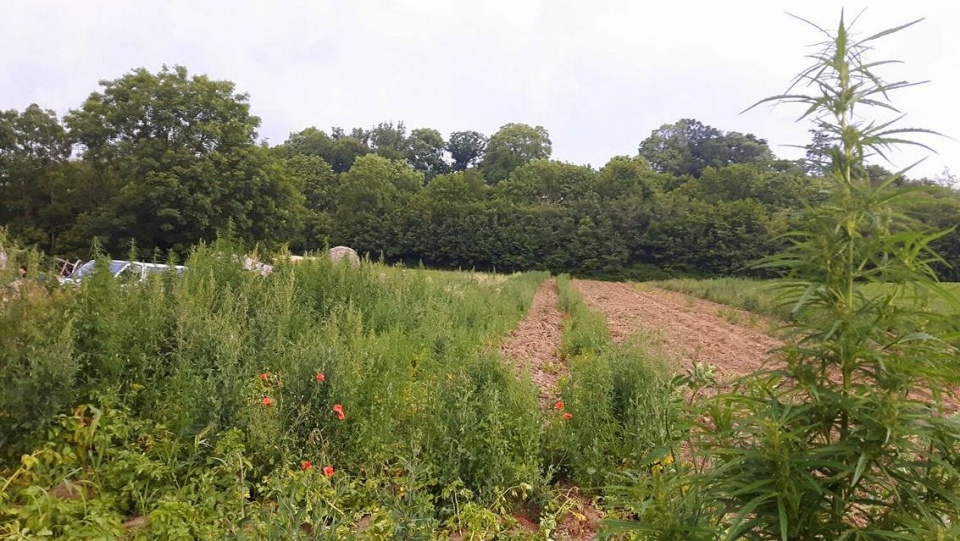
(536, 341)
(686, 330)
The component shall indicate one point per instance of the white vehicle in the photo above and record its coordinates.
(133, 271)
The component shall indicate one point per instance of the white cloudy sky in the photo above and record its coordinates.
(599, 75)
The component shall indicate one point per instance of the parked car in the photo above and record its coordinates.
(133, 271)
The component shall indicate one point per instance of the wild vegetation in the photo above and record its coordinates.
(323, 401)
(761, 296)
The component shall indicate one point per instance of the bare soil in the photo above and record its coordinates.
(582, 521)
(534, 346)
(535, 342)
(685, 329)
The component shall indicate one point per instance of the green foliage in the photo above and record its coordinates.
(512, 146)
(762, 296)
(151, 399)
(547, 182)
(757, 296)
(848, 438)
(459, 187)
(696, 236)
(623, 408)
(466, 148)
(425, 152)
(34, 148)
(169, 160)
(937, 208)
(625, 177)
(319, 184)
(340, 150)
(180, 162)
(687, 147)
(585, 331)
(388, 140)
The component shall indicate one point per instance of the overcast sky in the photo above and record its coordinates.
(599, 75)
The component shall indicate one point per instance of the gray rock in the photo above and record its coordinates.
(343, 253)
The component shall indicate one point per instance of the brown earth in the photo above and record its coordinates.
(534, 346)
(535, 342)
(686, 330)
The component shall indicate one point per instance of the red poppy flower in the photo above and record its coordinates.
(559, 405)
(306, 465)
(568, 416)
(320, 376)
(267, 401)
(328, 471)
(339, 411)
(264, 376)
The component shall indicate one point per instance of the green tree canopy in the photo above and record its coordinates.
(547, 182)
(688, 146)
(624, 176)
(512, 146)
(425, 148)
(462, 186)
(339, 150)
(375, 184)
(466, 148)
(317, 179)
(369, 193)
(34, 148)
(181, 155)
(389, 140)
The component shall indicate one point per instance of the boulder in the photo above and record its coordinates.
(343, 253)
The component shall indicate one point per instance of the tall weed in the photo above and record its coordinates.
(620, 409)
(851, 438)
(387, 375)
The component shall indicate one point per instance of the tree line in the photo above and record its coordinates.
(154, 163)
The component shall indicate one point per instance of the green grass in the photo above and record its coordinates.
(757, 296)
(760, 296)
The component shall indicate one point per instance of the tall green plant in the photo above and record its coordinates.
(848, 438)
(845, 441)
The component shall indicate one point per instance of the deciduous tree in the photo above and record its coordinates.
(688, 146)
(425, 148)
(512, 146)
(466, 148)
(182, 152)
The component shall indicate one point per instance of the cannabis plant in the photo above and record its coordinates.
(848, 435)
(850, 438)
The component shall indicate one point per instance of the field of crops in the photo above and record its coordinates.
(323, 401)
(332, 401)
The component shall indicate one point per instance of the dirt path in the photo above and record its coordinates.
(536, 340)
(687, 330)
